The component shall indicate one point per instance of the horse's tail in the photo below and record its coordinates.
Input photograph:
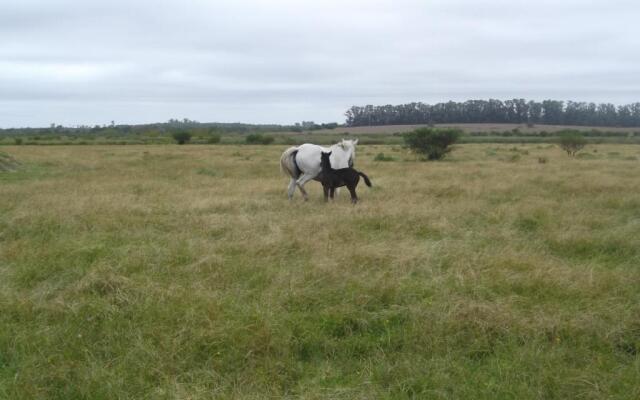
(366, 178)
(288, 162)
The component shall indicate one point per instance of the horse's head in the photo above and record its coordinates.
(347, 144)
(349, 148)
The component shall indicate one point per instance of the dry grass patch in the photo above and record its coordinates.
(8, 163)
(184, 272)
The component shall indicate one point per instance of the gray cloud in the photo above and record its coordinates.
(87, 62)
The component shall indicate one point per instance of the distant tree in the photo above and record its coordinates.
(535, 112)
(625, 115)
(607, 114)
(308, 125)
(517, 111)
(181, 137)
(571, 142)
(522, 110)
(432, 143)
(297, 127)
(330, 125)
(552, 112)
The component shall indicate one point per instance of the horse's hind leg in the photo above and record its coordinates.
(292, 188)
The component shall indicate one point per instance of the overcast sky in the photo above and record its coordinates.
(76, 62)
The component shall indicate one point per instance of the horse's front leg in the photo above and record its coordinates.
(332, 192)
(301, 182)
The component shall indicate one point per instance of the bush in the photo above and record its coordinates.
(382, 157)
(432, 143)
(181, 137)
(289, 140)
(571, 142)
(257, 138)
(213, 138)
(586, 156)
(17, 141)
(514, 158)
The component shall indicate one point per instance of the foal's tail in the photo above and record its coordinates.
(288, 162)
(366, 178)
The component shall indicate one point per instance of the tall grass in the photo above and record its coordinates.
(183, 272)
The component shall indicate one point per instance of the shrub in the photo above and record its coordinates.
(289, 140)
(586, 156)
(519, 151)
(370, 140)
(208, 172)
(542, 160)
(181, 137)
(571, 142)
(432, 143)
(382, 157)
(213, 138)
(17, 141)
(514, 158)
(257, 138)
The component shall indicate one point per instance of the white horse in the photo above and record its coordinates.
(302, 163)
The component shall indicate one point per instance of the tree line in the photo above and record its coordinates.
(516, 111)
(168, 128)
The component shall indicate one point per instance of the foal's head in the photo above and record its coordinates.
(324, 160)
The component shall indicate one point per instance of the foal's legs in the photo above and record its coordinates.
(354, 196)
(325, 189)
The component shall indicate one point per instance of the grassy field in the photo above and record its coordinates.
(182, 272)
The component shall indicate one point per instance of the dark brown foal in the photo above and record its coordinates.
(333, 178)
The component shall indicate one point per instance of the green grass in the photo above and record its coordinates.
(183, 272)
